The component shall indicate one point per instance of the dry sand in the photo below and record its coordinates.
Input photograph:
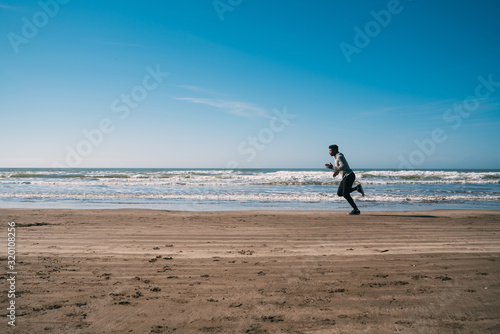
(145, 271)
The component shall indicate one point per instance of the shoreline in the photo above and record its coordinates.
(152, 271)
(346, 210)
(205, 208)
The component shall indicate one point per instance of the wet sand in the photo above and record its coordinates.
(148, 271)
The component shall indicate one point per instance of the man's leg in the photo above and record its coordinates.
(351, 201)
(350, 187)
(345, 189)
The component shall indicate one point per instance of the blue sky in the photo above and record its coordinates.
(249, 84)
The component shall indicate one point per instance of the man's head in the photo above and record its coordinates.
(334, 149)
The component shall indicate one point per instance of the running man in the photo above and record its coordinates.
(348, 177)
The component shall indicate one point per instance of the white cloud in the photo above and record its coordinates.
(221, 101)
(238, 108)
(197, 89)
(116, 43)
(9, 7)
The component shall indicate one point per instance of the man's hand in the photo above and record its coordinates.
(336, 173)
(329, 166)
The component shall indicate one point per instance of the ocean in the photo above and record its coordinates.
(245, 189)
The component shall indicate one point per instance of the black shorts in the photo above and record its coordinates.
(345, 186)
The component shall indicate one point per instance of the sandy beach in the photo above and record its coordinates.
(151, 271)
